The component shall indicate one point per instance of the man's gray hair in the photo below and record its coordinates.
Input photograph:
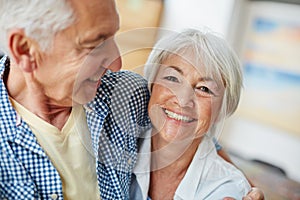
(40, 19)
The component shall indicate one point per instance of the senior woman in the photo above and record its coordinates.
(195, 81)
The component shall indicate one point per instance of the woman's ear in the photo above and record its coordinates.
(20, 47)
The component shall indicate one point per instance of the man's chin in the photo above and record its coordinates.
(84, 97)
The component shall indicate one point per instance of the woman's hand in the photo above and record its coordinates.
(254, 194)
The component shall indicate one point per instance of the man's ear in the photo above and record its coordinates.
(20, 50)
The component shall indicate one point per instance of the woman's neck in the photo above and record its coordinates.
(173, 155)
(169, 164)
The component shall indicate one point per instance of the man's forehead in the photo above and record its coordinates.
(95, 19)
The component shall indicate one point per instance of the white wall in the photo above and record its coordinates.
(258, 141)
(214, 14)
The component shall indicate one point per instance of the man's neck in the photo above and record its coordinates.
(32, 97)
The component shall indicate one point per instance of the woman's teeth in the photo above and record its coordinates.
(178, 117)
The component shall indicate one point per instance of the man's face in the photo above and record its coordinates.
(70, 71)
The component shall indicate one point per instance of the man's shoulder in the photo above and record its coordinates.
(126, 94)
(123, 84)
(124, 76)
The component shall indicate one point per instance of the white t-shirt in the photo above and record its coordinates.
(70, 151)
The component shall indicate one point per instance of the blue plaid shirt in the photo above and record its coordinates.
(115, 118)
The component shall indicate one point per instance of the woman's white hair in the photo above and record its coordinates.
(40, 19)
(208, 50)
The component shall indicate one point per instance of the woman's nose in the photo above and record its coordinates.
(185, 96)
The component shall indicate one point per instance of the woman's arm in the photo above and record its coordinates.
(255, 193)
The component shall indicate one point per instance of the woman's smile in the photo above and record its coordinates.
(178, 117)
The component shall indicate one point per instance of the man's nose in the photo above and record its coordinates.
(116, 60)
(116, 64)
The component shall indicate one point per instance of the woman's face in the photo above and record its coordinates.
(185, 101)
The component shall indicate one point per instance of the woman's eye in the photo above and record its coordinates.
(205, 90)
(171, 78)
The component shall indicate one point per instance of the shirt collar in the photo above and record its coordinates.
(189, 184)
(10, 116)
(142, 167)
(144, 154)
(14, 129)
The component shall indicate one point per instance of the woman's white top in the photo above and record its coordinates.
(208, 177)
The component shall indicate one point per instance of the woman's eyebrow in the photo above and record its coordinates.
(207, 79)
(200, 79)
(176, 68)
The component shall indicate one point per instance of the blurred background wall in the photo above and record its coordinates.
(263, 136)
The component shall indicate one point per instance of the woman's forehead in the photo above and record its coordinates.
(188, 64)
(192, 61)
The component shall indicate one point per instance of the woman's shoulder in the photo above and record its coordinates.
(225, 179)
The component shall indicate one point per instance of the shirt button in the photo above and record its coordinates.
(129, 161)
(53, 196)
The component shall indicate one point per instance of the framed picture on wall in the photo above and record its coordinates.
(270, 55)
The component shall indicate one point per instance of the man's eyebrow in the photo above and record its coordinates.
(99, 37)
(92, 40)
